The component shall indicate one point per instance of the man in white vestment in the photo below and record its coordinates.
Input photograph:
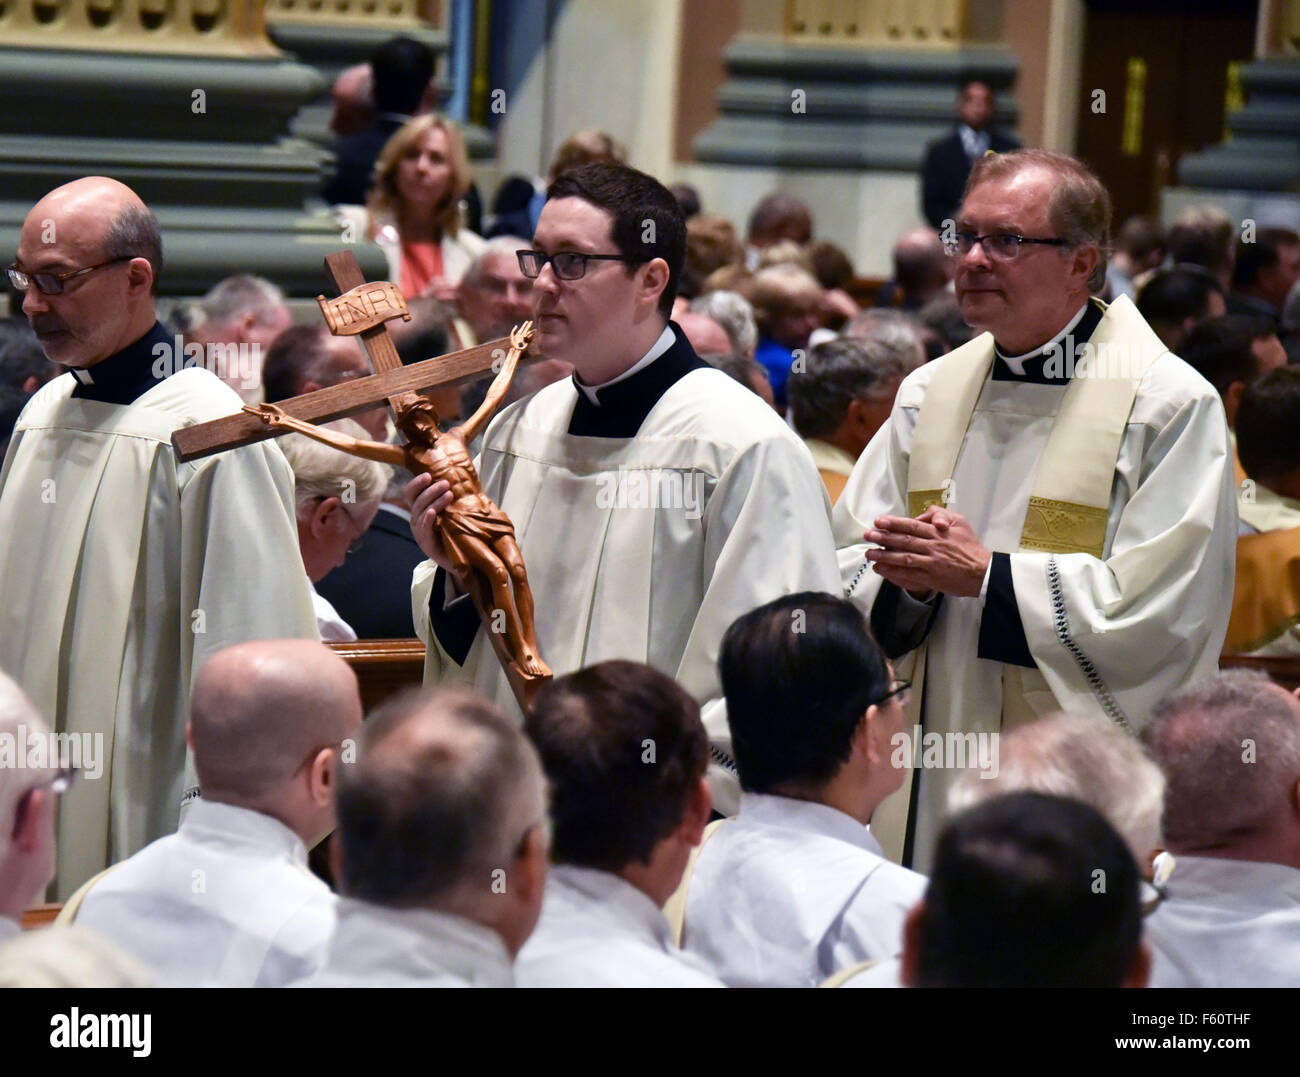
(441, 847)
(228, 900)
(654, 499)
(1048, 517)
(795, 887)
(625, 755)
(122, 570)
(1230, 749)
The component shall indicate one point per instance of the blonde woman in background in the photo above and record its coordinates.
(413, 210)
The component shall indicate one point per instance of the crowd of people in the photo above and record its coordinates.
(885, 618)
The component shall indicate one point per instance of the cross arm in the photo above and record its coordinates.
(337, 401)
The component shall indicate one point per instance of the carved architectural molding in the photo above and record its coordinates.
(208, 27)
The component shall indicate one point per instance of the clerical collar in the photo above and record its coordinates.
(127, 375)
(1034, 366)
(622, 404)
(657, 349)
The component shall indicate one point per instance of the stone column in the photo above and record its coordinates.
(834, 101)
(189, 103)
(1262, 150)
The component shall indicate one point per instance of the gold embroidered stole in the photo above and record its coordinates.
(1069, 506)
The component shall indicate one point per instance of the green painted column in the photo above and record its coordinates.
(190, 104)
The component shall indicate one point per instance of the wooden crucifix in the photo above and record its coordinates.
(477, 536)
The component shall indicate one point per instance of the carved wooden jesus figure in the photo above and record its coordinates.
(478, 537)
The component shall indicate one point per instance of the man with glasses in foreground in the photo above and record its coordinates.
(654, 499)
(1047, 518)
(795, 888)
(120, 569)
(228, 900)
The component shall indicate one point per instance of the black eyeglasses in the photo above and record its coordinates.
(52, 283)
(1000, 246)
(568, 265)
(896, 688)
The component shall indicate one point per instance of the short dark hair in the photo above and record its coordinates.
(1140, 236)
(1219, 349)
(623, 748)
(292, 360)
(1268, 425)
(633, 199)
(839, 372)
(780, 216)
(1030, 890)
(798, 674)
(134, 233)
(1201, 235)
(416, 824)
(400, 68)
(1254, 258)
(1172, 296)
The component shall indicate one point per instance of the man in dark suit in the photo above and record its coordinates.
(948, 161)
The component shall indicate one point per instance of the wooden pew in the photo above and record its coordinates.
(383, 666)
(1284, 671)
(41, 915)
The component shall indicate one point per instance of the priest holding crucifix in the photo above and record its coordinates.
(654, 499)
(1048, 517)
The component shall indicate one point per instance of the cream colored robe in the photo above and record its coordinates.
(1145, 618)
(121, 572)
(742, 519)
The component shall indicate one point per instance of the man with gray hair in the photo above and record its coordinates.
(1230, 749)
(441, 847)
(122, 570)
(239, 319)
(843, 397)
(732, 311)
(1070, 755)
(1062, 755)
(1047, 522)
(493, 296)
(228, 900)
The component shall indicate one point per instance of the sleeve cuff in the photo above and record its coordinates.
(1002, 634)
(452, 617)
(900, 622)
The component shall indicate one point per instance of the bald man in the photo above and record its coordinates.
(922, 269)
(707, 336)
(228, 901)
(442, 847)
(121, 570)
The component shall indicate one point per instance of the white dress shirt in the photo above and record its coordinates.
(790, 892)
(9, 929)
(375, 946)
(329, 622)
(881, 974)
(598, 930)
(226, 901)
(1227, 923)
